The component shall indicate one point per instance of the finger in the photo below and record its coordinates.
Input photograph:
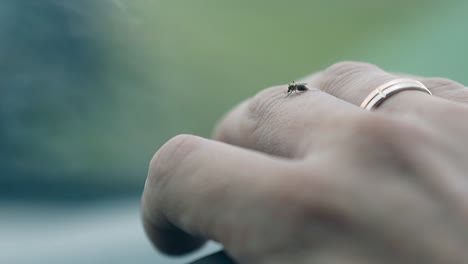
(442, 87)
(290, 126)
(354, 81)
(447, 89)
(200, 189)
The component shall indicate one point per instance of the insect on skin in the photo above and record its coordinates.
(294, 87)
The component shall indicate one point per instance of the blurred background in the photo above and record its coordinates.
(90, 89)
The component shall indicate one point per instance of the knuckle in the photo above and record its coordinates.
(168, 158)
(263, 107)
(441, 82)
(344, 67)
(264, 102)
(340, 74)
(446, 88)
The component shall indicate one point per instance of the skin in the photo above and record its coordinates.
(313, 178)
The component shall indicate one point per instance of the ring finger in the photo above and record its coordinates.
(353, 82)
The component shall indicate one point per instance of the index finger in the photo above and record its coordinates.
(188, 174)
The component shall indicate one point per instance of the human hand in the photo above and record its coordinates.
(313, 178)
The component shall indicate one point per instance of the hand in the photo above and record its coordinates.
(313, 178)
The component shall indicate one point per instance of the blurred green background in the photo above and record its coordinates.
(89, 90)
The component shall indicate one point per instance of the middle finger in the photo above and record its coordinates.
(290, 126)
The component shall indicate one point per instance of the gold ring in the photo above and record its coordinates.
(384, 91)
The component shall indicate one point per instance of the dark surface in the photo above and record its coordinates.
(217, 258)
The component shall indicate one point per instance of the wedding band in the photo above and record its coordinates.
(384, 91)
